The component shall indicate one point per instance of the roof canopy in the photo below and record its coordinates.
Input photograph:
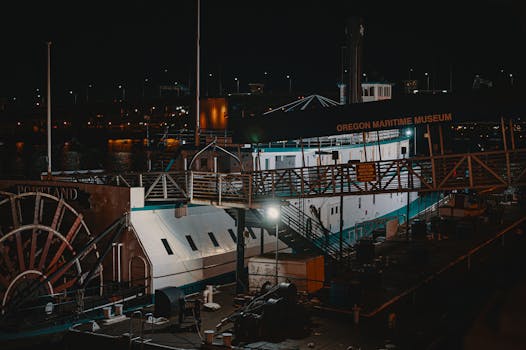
(401, 112)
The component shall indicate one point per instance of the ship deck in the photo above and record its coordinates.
(429, 297)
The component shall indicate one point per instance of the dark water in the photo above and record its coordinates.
(27, 159)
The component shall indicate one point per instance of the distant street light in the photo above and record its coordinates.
(290, 83)
(74, 96)
(237, 83)
(146, 80)
(121, 87)
(87, 92)
(210, 75)
(365, 77)
(410, 71)
(511, 79)
(427, 75)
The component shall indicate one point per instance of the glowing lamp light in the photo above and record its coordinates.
(408, 132)
(272, 213)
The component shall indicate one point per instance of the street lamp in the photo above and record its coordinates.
(427, 75)
(237, 83)
(410, 71)
(511, 79)
(146, 80)
(273, 214)
(290, 83)
(365, 77)
(87, 92)
(74, 96)
(121, 87)
(210, 75)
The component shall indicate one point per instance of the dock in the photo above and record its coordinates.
(421, 293)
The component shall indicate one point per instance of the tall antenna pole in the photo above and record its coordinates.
(49, 109)
(197, 122)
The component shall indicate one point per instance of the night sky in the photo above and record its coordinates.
(107, 43)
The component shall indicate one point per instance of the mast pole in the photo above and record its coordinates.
(197, 112)
(48, 109)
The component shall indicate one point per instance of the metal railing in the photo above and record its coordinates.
(482, 171)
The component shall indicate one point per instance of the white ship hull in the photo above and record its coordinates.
(212, 260)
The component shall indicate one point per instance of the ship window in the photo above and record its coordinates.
(251, 233)
(167, 246)
(332, 211)
(233, 235)
(213, 239)
(191, 242)
(359, 202)
(371, 91)
(267, 165)
(374, 199)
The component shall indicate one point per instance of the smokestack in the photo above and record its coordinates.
(355, 31)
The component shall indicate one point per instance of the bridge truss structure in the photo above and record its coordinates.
(478, 171)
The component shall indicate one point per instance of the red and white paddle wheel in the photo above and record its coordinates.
(40, 237)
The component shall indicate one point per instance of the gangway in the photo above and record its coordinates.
(253, 189)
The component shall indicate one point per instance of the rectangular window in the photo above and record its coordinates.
(284, 162)
(191, 242)
(167, 246)
(359, 202)
(267, 163)
(332, 211)
(213, 239)
(252, 234)
(233, 235)
(374, 199)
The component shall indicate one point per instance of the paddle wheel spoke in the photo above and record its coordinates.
(37, 257)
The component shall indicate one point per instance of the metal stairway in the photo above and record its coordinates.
(299, 231)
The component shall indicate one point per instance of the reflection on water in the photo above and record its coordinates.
(28, 160)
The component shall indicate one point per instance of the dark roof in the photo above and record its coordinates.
(481, 105)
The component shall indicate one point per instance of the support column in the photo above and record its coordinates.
(262, 238)
(240, 261)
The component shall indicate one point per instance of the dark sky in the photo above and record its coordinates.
(111, 42)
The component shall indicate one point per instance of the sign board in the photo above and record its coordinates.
(365, 172)
(394, 122)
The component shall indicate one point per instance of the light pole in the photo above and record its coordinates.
(365, 77)
(410, 71)
(87, 92)
(511, 79)
(121, 87)
(74, 96)
(146, 80)
(427, 76)
(237, 84)
(210, 75)
(273, 214)
(290, 83)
